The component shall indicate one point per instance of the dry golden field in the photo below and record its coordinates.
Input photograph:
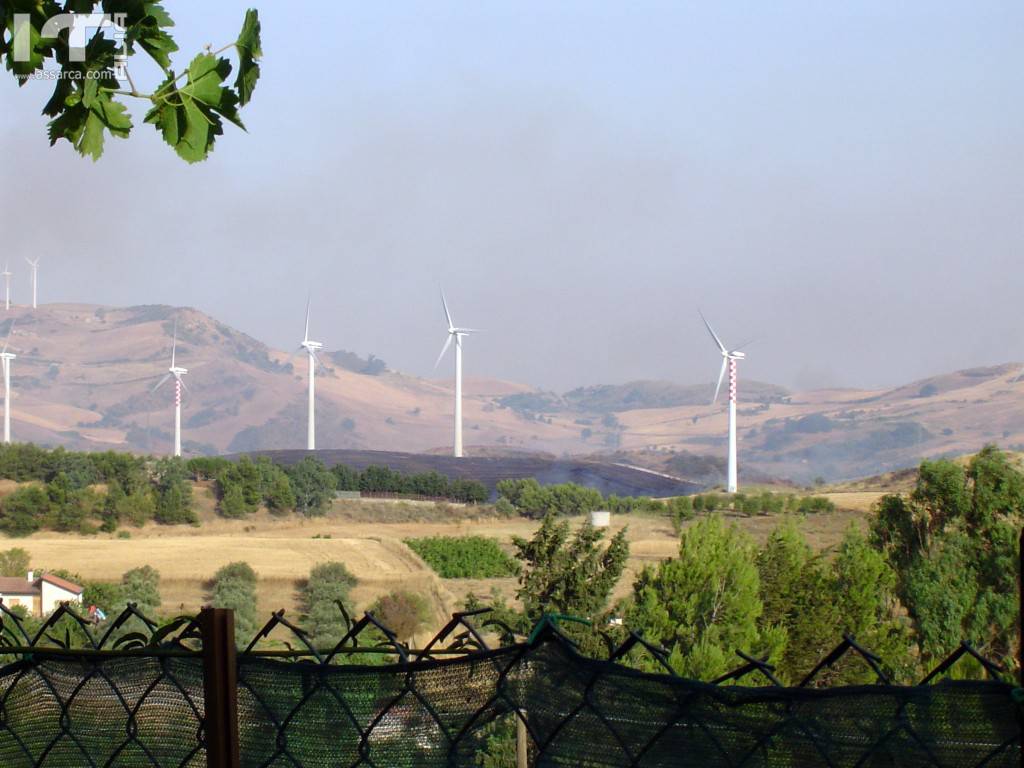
(367, 537)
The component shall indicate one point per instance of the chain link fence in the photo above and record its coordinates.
(134, 694)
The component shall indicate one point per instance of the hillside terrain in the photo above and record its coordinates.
(85, 374)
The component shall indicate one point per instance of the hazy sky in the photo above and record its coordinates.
(842, 181)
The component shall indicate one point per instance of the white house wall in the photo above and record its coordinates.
(53, 596)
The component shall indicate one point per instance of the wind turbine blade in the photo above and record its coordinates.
(174, 344)
(447, 314)
(744, 345)
(447, 343)
(10, 331)
(316, 359)
(721, 375)
(181, 380)
(714, 335)
(470, 330)
(305, 336)
(161, 382)
(1013, 382)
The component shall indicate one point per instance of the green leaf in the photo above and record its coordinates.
(85, 121)
(250, 50)
(146, 23)
(57, 103)
(191, 117)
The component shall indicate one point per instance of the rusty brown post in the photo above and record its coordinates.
(220, 687)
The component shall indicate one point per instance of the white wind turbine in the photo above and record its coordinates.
(35, 278)
(177, 372)
(457, 334)
(6, 274)
(311, 348)
(6, 357)
(729, 358)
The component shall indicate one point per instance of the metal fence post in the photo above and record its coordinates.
(522, 741)
(220, 687)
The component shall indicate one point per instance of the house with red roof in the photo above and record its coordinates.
(39, 594)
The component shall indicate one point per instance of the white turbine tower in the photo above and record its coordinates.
(6, 357)
(457, 334)
(35, 278)
(311, 348)
(177, 373)
(6, 274)
(729, 358)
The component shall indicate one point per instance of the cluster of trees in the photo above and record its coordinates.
(953, 546)
(464, 557)
(375, 479)
(528, 497)
(87, 492)
(763, 503)
(937, 566)
(245, 486)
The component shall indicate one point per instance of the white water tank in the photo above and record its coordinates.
(600, 518)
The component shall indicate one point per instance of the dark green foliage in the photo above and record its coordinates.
(173, 493)
(23, 512)
(87, 104)
(279, 496)
(347, 479)
(207, 467)
(534, 500)
(328, 586)
(376, 479)
(234, 587)
(313, 485)
(246, 485)
(137, 509)
(568, 573)
(953, 545)
(232, 503)
(464, 557)
(706, 603)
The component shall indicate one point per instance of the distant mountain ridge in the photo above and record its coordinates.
(85, 374)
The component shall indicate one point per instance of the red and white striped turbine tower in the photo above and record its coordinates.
(729, 359)
(177, 372)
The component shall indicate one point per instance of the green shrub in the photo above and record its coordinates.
(328, 585)
(464, 557)
(142, 587)
(234, 587)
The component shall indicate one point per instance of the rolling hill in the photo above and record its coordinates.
(85, 374)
